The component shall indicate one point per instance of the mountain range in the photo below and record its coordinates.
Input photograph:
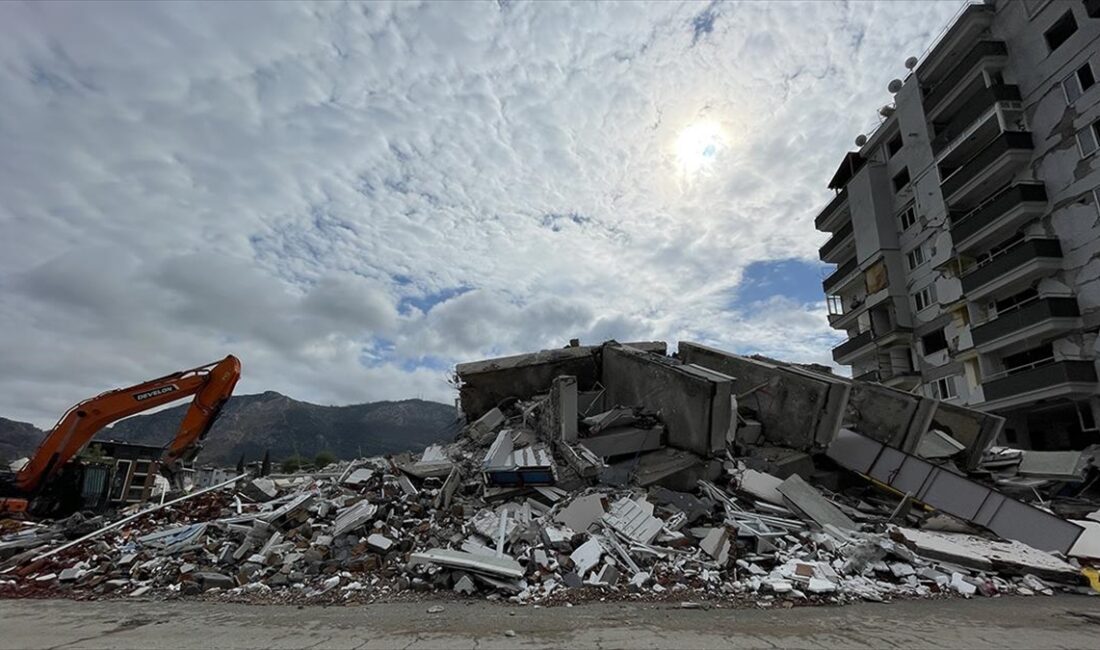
(251, 425)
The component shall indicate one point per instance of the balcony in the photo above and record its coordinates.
(841, 272)
(835, 243)
(1041, 318)
(973, 107)
(1054, 379)
(997, 161)
(824, 217)
(892, 377)
(848, 350)
(981, 52)
(1013, 269)
(998, 217)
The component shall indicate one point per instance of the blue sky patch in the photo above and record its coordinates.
(796, 279)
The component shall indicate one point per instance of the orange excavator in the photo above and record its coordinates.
(211, 384)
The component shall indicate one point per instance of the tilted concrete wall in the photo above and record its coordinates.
(893, 417)
(693, 403)
(797, 408)
(975, 429)
(484, 384)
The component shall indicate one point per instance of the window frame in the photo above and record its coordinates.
(1046, 32)
(947, 381)
(1094, 133)
(919, 248)
(909, 209)
(1074, 79)
(926, 295)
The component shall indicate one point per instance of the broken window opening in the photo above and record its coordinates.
(901, 180)
(934, 342)
(1060, 31)
(894, 145)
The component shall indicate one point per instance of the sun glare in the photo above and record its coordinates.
(698, 146)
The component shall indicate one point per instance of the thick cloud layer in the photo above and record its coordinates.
(353, 197)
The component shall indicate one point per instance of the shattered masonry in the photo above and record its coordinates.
(617, 471)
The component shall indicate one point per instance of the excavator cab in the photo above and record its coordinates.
(48, 483)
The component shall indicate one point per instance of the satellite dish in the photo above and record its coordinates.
(894, 86)
(911, 63)
(861, 140)
(886, 111)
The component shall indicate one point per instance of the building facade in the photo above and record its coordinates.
(966, 229)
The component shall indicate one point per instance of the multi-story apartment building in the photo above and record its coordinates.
(966, 228)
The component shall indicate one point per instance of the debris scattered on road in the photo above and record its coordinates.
(560, 493)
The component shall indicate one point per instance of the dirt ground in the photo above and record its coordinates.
(1008, 622)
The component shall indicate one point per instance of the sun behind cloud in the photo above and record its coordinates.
(698, 148)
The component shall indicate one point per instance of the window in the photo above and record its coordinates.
(1086, 139)
(908, 218)
(894, 145)
(944, 388)
(1077, 83)
(924, 298)
(1060, 31)
(901, 180)
(915, 257)
(934, 342)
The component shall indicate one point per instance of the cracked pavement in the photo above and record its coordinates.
(1008, 622)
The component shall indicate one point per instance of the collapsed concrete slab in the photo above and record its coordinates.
(485, 384)
(798, 409)
(624, 440)
(902, 420)
(693, 402)
(976, 430)
(954, 494)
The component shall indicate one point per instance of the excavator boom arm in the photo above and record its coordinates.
(211, 384)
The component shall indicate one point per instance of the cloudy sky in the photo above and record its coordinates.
(351, 198)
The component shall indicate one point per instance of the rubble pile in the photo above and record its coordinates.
(554, 495)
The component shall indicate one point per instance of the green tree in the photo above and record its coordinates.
(324, 459)
(292, 464)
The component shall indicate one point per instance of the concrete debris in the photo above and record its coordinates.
(761, 485)
(634, 520)
(809, 501)
(937, 444)
(582, 512)
(610, 472)
(586, 556)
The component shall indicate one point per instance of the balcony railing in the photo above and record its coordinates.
(1038, 377)
(835, 241)
(1010, 259)
(1032, 313)
(974, 107)
(851, 345)
(967, 224)
(981, 50)
(823, 216)
(839, 274)
(1006, 142)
